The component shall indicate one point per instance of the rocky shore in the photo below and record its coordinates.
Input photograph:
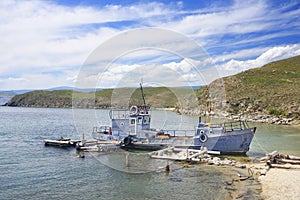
(254, 117)
(275, 176)
(270, 119)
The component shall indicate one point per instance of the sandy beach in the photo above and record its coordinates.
(281, 184)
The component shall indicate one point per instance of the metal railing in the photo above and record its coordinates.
(179, 132)
(119, 114)
(231, 126)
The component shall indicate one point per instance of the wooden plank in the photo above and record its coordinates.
(168, 157)
(214, 152)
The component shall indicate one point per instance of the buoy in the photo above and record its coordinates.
(203, 138)
(134, 110)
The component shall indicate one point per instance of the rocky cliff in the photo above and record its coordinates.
(267, 94)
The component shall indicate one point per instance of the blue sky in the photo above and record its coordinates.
(46, 44)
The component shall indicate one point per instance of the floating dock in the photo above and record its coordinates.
(61, 142)
(172, 153)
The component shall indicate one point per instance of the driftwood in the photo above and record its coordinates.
(285, 166)
(296, 162)
(292, 157)
(277, 160)
(194, 155)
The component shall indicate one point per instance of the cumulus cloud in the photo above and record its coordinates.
(273, 54)
(41, 38)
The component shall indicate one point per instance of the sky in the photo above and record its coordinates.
(46, 44)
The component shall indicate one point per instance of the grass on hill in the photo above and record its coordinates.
(272, 89)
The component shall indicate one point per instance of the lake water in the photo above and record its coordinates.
(29, 170)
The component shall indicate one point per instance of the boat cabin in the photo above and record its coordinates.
(130, 122)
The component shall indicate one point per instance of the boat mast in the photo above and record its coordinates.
(143, 95)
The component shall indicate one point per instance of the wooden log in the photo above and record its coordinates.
(214, 152)
(197, 154)
(285, 166)
(272, 154)
(197, 151)
(168, 157)
(263, 159)
(281, 160)
(292, 157)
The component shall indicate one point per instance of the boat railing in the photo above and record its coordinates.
(119, 114)
(125, 114)
(101, 129)
(231, 126)
(174, 133)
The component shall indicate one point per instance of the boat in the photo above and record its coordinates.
(226, 138)
(62, 142)
(130, 129)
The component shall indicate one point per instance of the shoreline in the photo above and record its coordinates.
(258, 118)
(274, 184)
(280, 184)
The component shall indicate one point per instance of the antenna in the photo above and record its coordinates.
(143, 95)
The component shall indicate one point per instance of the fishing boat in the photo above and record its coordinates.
(130, 128)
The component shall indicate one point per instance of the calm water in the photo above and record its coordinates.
(29, 170)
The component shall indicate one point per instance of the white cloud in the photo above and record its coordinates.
(182, 73)
(281, 52)
(273, 54)
(241, 17)
(184, 65)
(239, 55)
(40, 34)
(44, 81)
(41, 38)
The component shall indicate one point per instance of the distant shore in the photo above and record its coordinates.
(259, 118)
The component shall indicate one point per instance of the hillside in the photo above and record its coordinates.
(270, 93)
(267, 94)
(43, 98)
(159, 97)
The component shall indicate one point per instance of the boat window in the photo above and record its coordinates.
(132, 121)
(139, 120)
(146, 119)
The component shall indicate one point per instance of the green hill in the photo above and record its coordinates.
(159, 97)
(270, 90)
(43, 98)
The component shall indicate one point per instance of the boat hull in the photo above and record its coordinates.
(237, 142)
(145, 147)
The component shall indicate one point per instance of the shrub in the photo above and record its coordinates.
(274, 111)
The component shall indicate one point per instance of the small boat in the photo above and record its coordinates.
(130, 128)
(62, 142)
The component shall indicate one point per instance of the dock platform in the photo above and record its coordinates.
(61, 142)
